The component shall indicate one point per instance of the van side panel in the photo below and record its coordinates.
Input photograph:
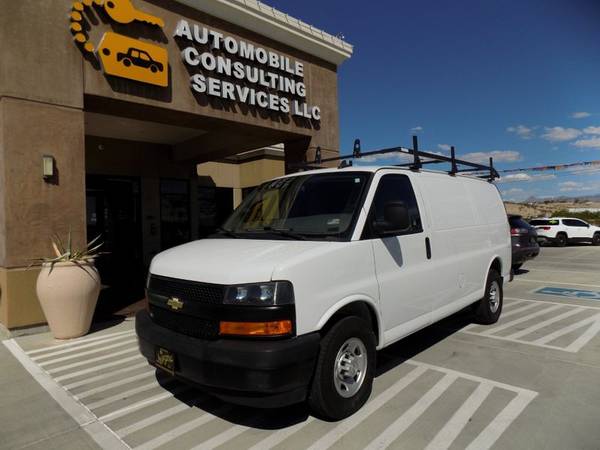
(463, 243)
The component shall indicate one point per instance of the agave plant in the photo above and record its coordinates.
(66, 253)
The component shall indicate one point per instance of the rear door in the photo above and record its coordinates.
(403, 268)
(577, 229)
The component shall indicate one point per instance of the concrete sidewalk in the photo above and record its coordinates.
(29, 416)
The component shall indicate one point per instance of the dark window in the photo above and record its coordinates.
(574, 223)
(537, 222)
(174, 212)
(518, 222)
(394, 188)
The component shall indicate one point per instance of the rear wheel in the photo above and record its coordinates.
(126, 62)
(596, 239)
(560, 240)
(489, 308)
(344, 374)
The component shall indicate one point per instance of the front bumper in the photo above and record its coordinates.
(260, 373)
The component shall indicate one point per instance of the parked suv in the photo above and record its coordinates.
(524, 241)
(313, 273)
(562, 230)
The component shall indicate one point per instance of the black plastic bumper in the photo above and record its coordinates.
(520, 255)
(260, 373)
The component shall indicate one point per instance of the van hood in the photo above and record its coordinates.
(233, 261)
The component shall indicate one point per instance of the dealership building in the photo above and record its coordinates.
(146, 122)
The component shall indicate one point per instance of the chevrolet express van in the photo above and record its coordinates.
(316, 271)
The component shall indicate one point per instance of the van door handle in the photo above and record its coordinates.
(428, 248)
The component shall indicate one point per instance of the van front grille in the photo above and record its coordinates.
(184, 324)
(191, 291)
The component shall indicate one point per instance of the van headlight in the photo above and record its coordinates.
(260, 294)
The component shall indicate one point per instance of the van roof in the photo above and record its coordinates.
(374, 169)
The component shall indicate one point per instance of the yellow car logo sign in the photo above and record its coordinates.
(119, 55)
(175, 304)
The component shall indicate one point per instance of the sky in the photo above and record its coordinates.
(515, 79)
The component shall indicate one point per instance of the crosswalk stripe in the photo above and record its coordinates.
(81, 347)
(182, 429)
(143, 403)
(344, 427)
(99, 367)
(501, 422)
(154, 418)
(85, 353)
(566, 330)
(125, 394)
(92, 360)
(544, 323)
(107, 375)
(510, 323)
(77, 342)
(399, 426)
(114, 384)
(446, 436)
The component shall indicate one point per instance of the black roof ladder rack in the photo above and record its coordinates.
(419, 159)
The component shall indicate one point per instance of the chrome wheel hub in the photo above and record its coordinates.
(494, 297)
(350, 367)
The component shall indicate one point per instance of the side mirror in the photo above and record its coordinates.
(395, 219)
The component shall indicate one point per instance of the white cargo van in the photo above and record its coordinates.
(314, 272)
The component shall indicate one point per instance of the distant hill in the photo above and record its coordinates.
(546, 207)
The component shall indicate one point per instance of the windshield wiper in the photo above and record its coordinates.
(283, 232)
(228, 232)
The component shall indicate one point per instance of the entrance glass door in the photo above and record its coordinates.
(113, 211)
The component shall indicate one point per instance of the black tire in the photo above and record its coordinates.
(561, 240)
(516, 267)
(126, 62)
(153, 68)
(485, 312)
(324, 399)
(596, 239)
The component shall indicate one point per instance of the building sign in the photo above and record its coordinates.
(221, 66)
(119, 55)
(234, 69)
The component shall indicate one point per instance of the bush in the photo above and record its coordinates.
(588, 216)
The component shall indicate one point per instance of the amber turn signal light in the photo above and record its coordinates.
(276, 328)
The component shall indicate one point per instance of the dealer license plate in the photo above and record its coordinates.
(165, 360)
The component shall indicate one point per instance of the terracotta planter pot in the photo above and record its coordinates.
(68, 294)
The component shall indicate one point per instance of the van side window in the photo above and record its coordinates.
(393, 188)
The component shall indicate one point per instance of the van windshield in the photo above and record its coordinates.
(301, 207)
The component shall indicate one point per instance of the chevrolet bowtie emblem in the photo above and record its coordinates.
(175, 304)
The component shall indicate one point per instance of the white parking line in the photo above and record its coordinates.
(344, 427)
(518, 310)
(76, 342)
(92, 360)
(80, 347)
(94, 369)
(496, 328)
(277, 437)
(165, 414)
(592, 323)
(528, 280)
(182, 429)
(500, 423)
(393, 432)
(104, 376)
(51, 361)
(123, 395)
(544, 323)
(459, 420)
(113, 385)
(222, 438)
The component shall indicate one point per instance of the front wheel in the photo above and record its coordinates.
(489, 308)
(596, 239)
(344, 374)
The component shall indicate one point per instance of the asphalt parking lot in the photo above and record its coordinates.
(530, 381)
